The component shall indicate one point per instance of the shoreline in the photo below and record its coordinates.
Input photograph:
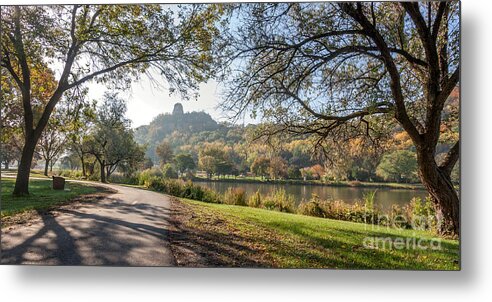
(354, 184)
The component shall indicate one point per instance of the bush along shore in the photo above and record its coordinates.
(419, 214)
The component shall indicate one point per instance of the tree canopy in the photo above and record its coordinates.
(342, 70)
(113, 44)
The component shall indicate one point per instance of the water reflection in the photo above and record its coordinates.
(385, 197)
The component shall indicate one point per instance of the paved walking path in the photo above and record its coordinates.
(128, 228)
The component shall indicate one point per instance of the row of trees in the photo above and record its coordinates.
(394, 160)
(114, 44)
(83, 135)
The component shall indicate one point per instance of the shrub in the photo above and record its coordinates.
(192, 191)
(254, 200)
(312, 207)
(398, 217)
(145, 175)
(357, 212)
(196, 192)
(169, 172)
(279, 200)
(64, 173)
(94, 177)
(179, 188)
(122, 179)
(235, 196)
(174, 187)
(421, 214)
(369, 198)
(370, 211)
(75, 174)
(335, 209)
(154, 183)
(211, 196)
(365, 212)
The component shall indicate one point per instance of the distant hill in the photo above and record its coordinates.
(182, 130)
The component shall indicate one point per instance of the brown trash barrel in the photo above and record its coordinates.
(58, 183)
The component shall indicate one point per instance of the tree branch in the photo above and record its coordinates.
(377, 108)
(439, 16)
(448, 86)
(401, 114)
(8, 65)
(451, 158)
(26, 74)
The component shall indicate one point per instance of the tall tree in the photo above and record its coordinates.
(108, 43)
(323, 69)
(83, 120)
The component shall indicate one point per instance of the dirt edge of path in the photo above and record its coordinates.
(204, 240)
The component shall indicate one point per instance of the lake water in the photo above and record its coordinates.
(385, 197)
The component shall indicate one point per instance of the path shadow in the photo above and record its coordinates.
(52, 254)
(72, 236)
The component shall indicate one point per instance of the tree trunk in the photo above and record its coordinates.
(90, 167)
(22, 180)
(108, 172)
(444, 196)
(103, 171)
(46, 165)
(6, 165)
(83, 166)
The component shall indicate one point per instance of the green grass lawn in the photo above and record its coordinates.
(297, 241)
(42, 195)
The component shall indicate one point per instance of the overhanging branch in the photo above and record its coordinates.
(451, 158)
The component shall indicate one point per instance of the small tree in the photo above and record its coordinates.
(168, 171)
(214, 159)
(399, 166)
(83, 123)
(184, 163)
(164, 152)
(207, 163)
(111, 141)
(277, 167)
(147, 163)
(260, 166)
(52, 142)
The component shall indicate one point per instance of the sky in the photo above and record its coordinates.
(145, 101)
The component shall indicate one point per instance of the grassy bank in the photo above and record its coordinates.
(418, 214)
(242, 236)
(42, 196)
(363, 184)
